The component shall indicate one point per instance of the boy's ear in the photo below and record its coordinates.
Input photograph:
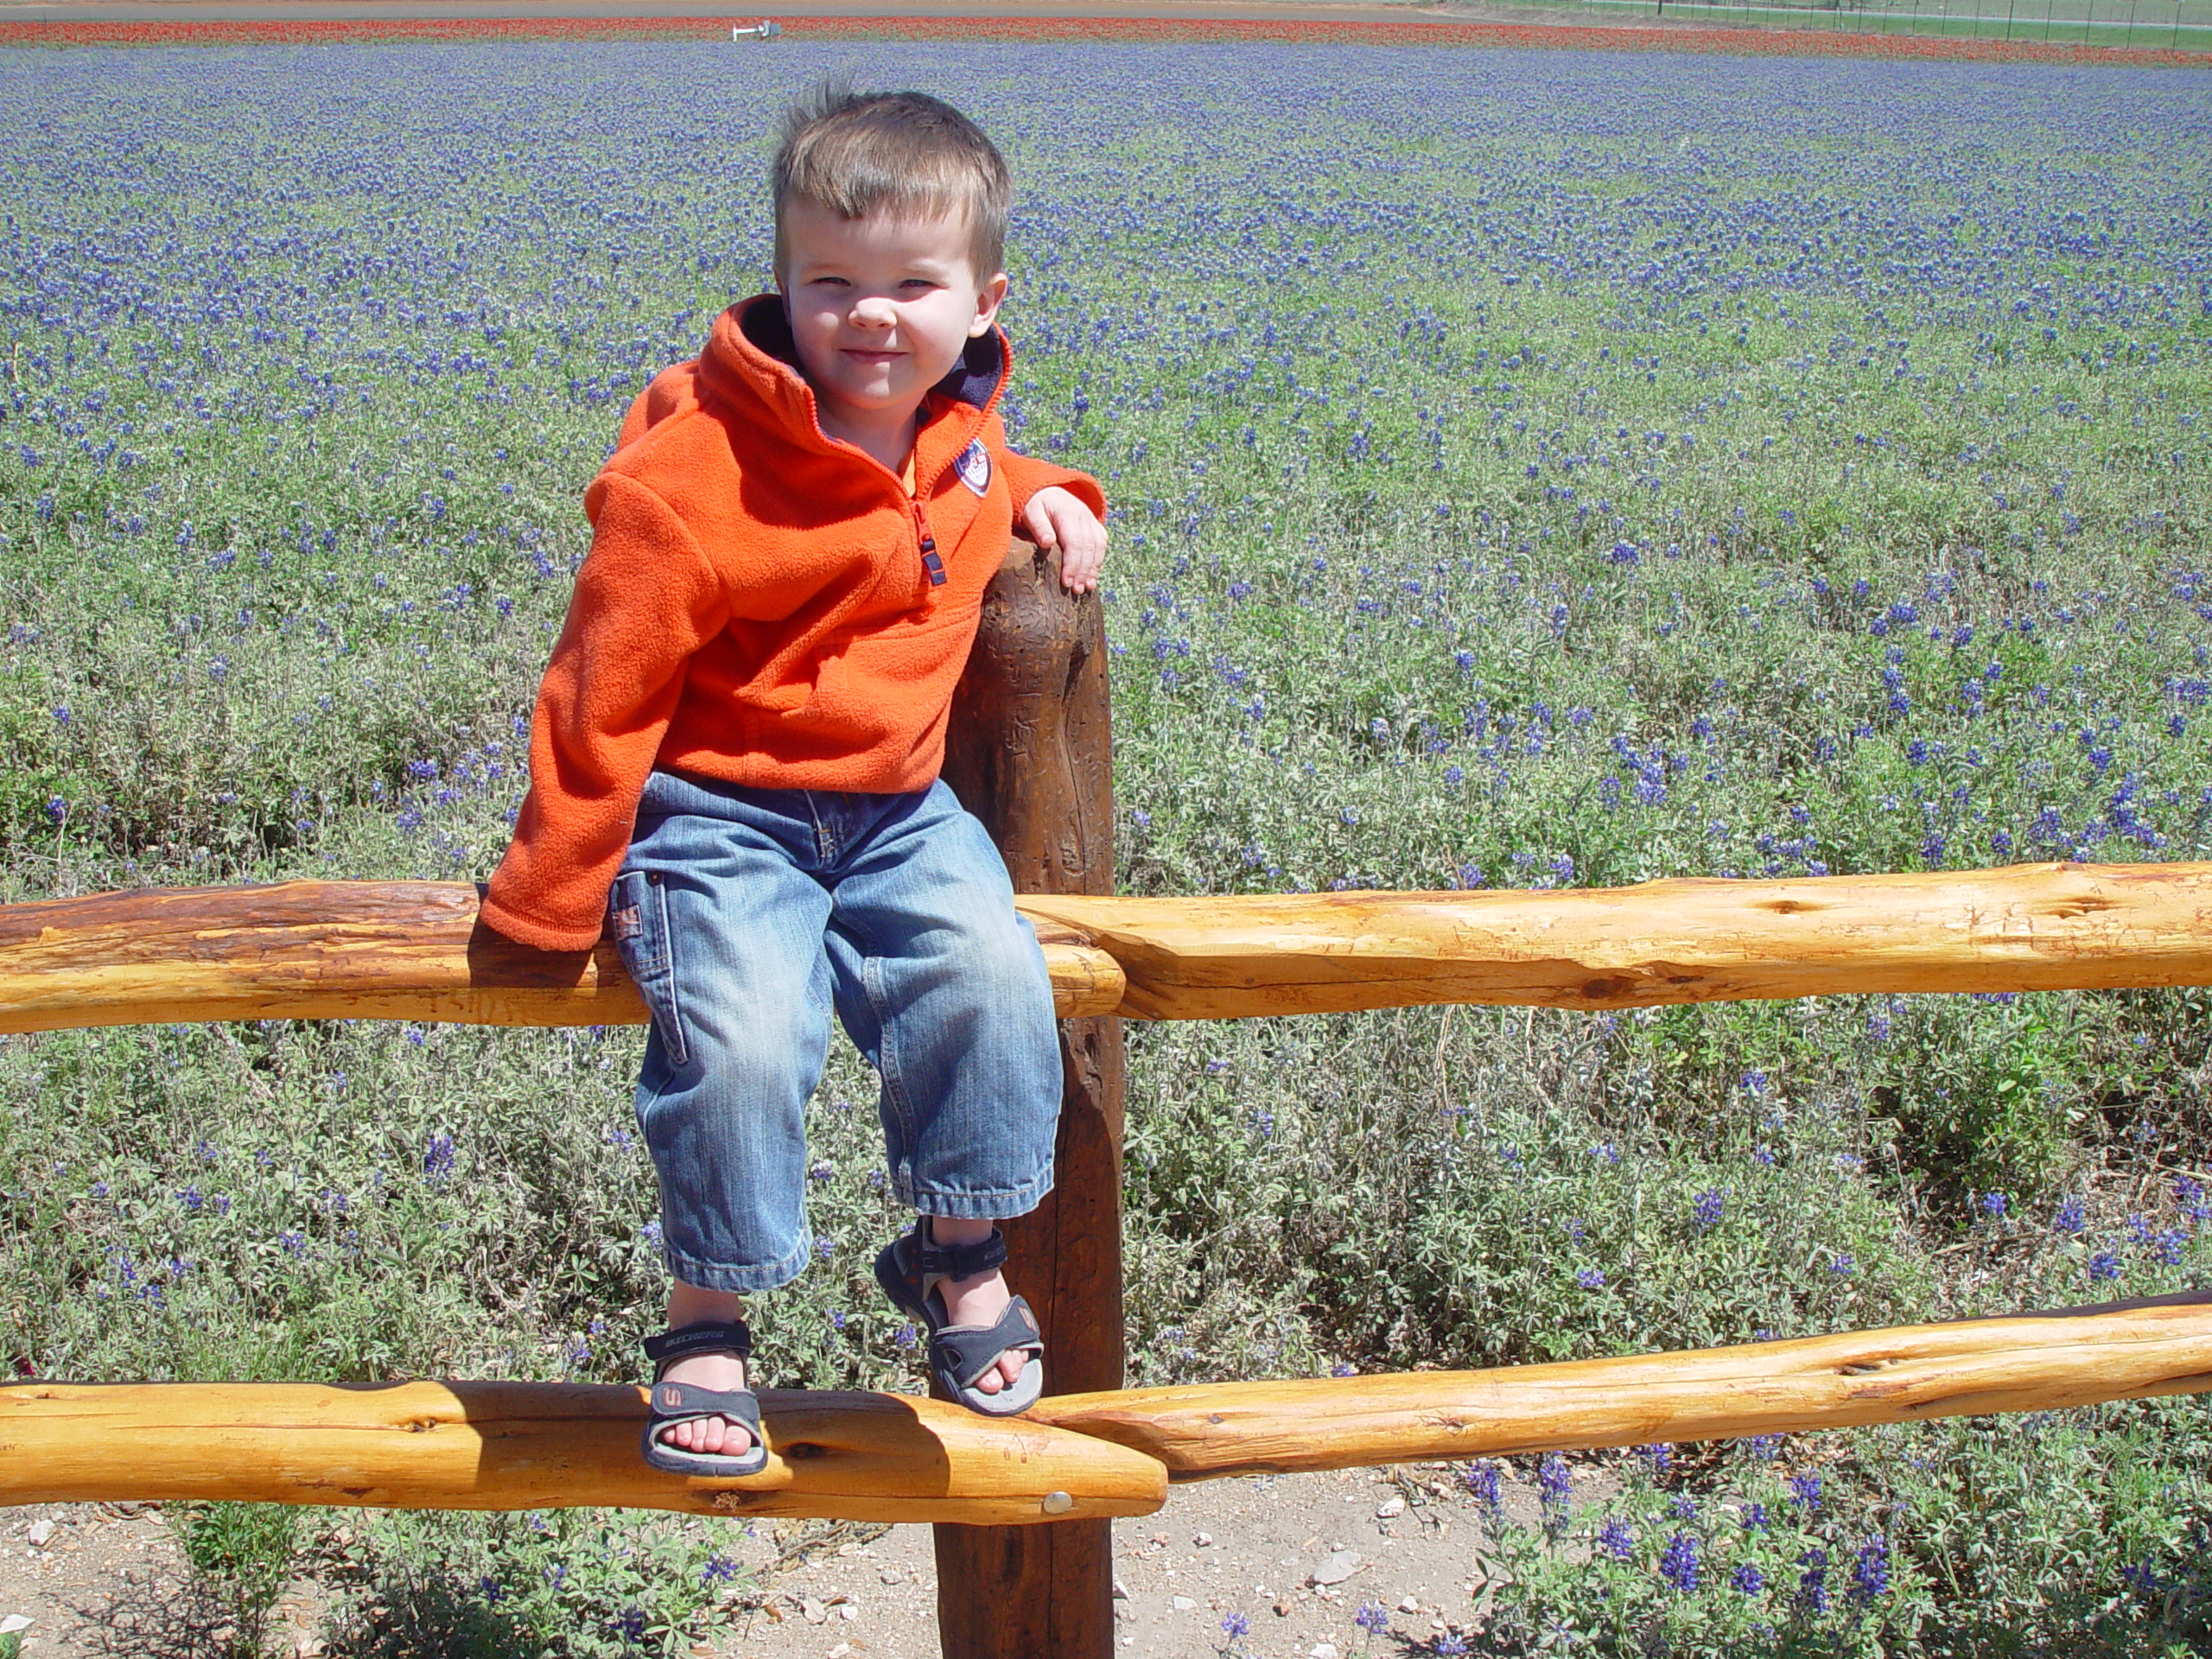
(987, 301)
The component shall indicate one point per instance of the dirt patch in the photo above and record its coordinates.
(1294, 1556)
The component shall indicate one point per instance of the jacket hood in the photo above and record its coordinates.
(752, 362)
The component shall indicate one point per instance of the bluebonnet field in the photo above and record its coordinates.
(1531, 470)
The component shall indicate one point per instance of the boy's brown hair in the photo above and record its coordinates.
(905, 154)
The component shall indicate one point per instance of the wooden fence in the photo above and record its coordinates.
(1023, 1508)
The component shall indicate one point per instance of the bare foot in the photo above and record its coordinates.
(977, 1300)
(715, 1436)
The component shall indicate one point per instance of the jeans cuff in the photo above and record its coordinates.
(994, 1206)
(738, 1280)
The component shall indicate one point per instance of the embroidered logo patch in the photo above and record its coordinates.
(974, 467)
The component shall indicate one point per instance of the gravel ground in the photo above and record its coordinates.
(1295, 1555)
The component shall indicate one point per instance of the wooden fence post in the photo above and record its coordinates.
(1030, 753)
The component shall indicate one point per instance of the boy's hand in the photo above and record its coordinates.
(1057, 517)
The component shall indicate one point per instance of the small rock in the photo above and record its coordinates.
(1183, 1604)
(1283, 1608)
(1335, 1568)
(850, 1610)
(1121, 1590)
(1201, 1540)
(1323, 1650)
(14, 1623)
(1410, 1604)
(814, 1611)
(841, 1650)
(39, 1531)
(1390, 1509)
(892, 1576)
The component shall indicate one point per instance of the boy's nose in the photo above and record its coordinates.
(875, 314)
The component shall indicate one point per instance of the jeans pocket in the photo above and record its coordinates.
(637, 917)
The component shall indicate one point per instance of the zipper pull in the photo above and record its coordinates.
(930, 562)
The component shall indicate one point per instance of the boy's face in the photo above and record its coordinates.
(880, 308)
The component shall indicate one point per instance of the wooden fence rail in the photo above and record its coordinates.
(874, 1457)
(416, 949)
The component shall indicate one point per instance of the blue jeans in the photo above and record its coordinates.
(745, 915)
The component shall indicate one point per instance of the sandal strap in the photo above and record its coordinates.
(702, 1337)
(684, 1402)
(966, 1351)
(955, 1261)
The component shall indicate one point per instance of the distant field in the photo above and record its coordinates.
(2183, 25)
(1530, 468)
(2093, 31)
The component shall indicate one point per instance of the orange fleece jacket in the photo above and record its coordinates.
(762, 604)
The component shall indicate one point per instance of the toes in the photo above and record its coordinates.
(990, 1382)
(714, 1436)
(1010, 1365)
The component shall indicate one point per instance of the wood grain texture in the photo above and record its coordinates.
(523, 1446)
(345, 950)
(1031, 754)
(416, 951)
(542, 1444)
(2030, 927)
(2043, 1362)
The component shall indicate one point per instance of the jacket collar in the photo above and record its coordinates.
(752, 363)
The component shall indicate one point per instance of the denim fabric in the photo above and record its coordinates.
(745, 915)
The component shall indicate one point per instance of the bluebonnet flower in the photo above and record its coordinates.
(1373, 1618)
(1805, 1491)
(438, 1157)
(1236, 1627)
(2071, 1217)
(1756, 1518)
(1679, 1564)
(1555, 1482)
(2141, 1578)
(1706, 1210)
(1746, 1580)
(1992, 1205)
(1482, 1480)
(1615, 1539)
(2188, 1196)
(720, 1569)
(1591, 1278)
(1657, 1460)
(2104, 1265)
(1813, 1582)
(1870, 1570)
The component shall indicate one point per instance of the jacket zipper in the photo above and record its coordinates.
(931, 562)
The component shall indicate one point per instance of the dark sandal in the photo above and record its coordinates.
(909, 1268)
(685, 1402)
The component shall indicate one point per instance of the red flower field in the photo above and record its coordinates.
(1761, 42)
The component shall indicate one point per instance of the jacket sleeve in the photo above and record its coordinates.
(647, 598)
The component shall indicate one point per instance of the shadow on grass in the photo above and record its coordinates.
(428, 1617)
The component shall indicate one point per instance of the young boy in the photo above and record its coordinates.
(735, 758)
